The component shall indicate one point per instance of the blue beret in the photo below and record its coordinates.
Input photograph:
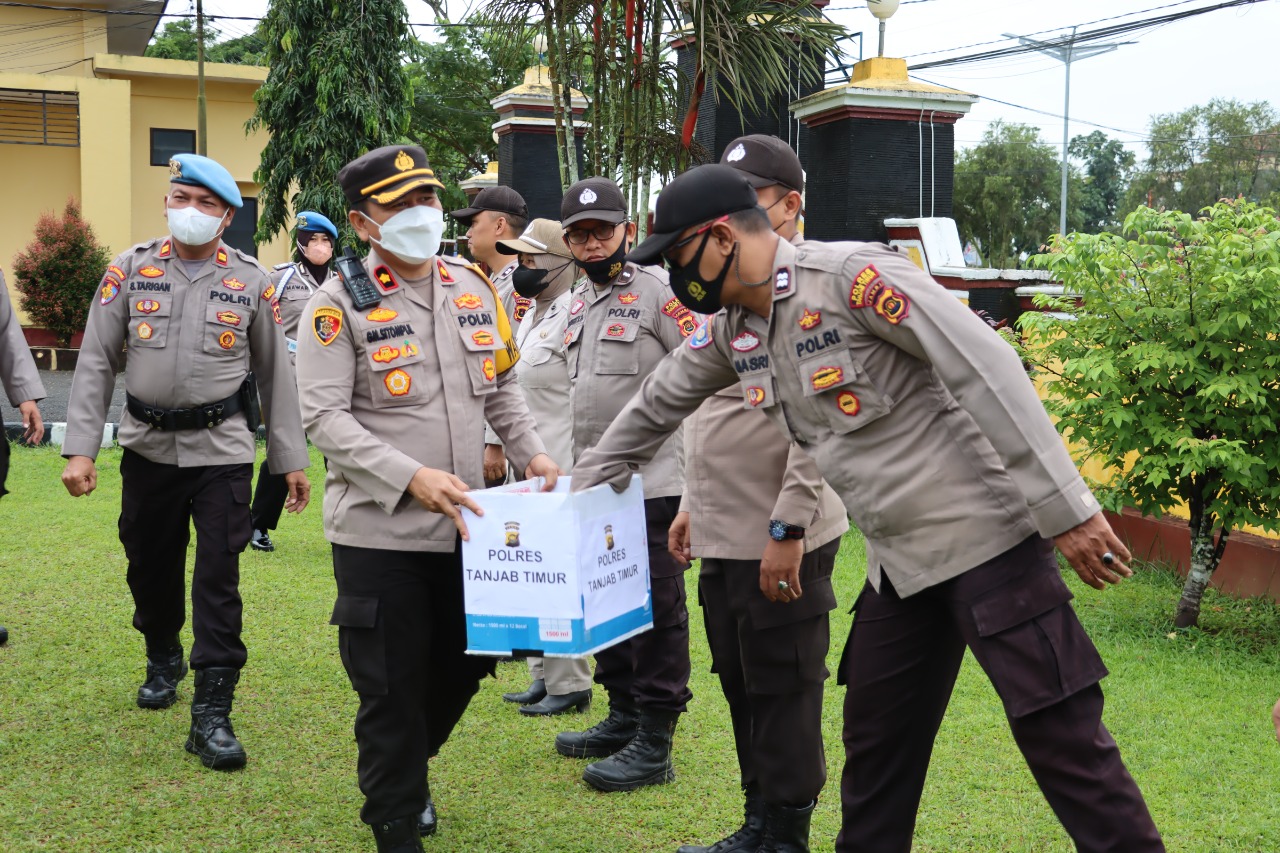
(309, 220)
(197, 171)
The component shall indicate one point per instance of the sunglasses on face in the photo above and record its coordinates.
(579, 236)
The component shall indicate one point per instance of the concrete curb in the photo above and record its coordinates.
(55, 432)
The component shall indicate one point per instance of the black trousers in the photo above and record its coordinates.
(268, 499)
(652, 669)
(900, 665)
(402, 635)
(158, 505)
(771, 676)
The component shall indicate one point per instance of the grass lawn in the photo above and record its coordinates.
(83, 769)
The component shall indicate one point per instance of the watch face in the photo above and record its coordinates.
(777, 531)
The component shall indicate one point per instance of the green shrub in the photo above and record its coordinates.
(59, 272)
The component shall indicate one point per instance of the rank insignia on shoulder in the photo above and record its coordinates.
(385, 279)
(826, 377)
(165, 250)
(468, 302)
(147, 306)
(488, 369)
(381, 315)
(398, 383)
(231, 318)
(892, 306)
(151, 272)
(755, 395)
(233, 283)
(847, 402)
(145, 331)
(110, 290)
(227, 339)
(782, 281)
(577, 307)
(445, 276)
(482, 338)
(810, 319)
(628, 273)
(221, 257)
(628, 297)
(285, 265)
(269, 292)
(326, 322)
(745, 342)
(701, 337)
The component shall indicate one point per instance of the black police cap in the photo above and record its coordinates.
(498, 199)
(696, 197)
(765, 160)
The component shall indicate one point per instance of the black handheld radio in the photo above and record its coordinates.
(364, 293)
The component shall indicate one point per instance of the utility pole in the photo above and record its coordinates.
(1066, 51)
(202, 121)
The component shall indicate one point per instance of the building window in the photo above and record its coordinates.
(166, 142)
(39, 118)
(240, 232)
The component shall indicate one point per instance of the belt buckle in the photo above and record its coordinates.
(185, 418)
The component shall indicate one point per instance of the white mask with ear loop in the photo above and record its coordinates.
(412, 235)
(193, 228)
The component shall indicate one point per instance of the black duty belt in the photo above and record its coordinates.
(206, 416)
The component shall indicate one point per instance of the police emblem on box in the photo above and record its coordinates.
(608, 536)
(512, 539)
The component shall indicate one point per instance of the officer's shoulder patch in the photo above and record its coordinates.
(326, 322)
(701, 337)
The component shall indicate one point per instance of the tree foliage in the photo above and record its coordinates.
(59, 272)
(337, 88)
(1170, 361)
(1220, 150)
(1006, 193)
(178, 41)
(1107, 169)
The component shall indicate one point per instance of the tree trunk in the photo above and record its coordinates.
(1206, 555)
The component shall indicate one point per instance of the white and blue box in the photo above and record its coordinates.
(554, 573)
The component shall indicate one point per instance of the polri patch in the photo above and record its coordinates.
(468, 302)
(847, 402)
(381, 315)
(745, 342)
(617, 330)
(482, 338)
(521, 308)
(227, 339)
(893, 306)
(826, 377)
(145, 331)
(147, 306)
(275, 312)
(150, 272)
(398, 383)
(755, 395)
(809, 319)
(231, 318)
(110, 290)
(701, 337)
(233, 283)
(866, 288)
(326, 322)
(386, 354)
(628, 298)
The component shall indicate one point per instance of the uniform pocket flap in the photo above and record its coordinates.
(484, 339)
(234, 316)
(393, 354)
(1015, 604)
(146, 305)
(351, 611)
(619, 330)
(827, 372)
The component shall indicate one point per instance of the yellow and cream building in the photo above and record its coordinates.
(83, 114)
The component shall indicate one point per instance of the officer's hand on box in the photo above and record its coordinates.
(781, 562)
(299, 491)
(80, 476)
(1095, 552)
(543, 466)
(442, 492)
(678, 539)
(32, 423)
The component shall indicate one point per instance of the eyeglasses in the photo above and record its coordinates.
(675, 247)
(579, 236)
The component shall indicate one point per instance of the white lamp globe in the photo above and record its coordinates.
(882, 9)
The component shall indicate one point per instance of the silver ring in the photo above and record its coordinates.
(1108, 558)
(783, 586)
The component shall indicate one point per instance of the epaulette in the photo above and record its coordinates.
(282, 266)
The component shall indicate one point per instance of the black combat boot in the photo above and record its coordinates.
(646, 760)
(786, 829)
(748, 838)
(605, 737)
(398, 836)
(427, 820)
(166, 666)
(212, 737)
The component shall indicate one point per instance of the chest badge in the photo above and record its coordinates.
(151, 272)
(386, 354)
(488, 369)
(826, 377)
(147, 306)
(227, 339)
(382, 315)
(576, 308)
(398, 383)
(810, 319)
(617, 330)
(847, 402)
(755, 395)
(482, 339)
(145, 331)
(468, 302)
(233, 283)
(628, 298)
(701, 337)
(745, 342)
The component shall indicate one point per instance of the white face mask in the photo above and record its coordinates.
(412, 235)
(190, 226)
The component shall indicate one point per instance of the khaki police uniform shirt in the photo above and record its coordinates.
(918, 414)
(294, 288)
(515, 306)
(543, 374)
(616, 335)
(192, 339)
(17, 368)
(407, 384)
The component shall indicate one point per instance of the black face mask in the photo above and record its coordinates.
(606, 270)
(529, 282)
(703, 297)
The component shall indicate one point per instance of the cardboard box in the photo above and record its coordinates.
(556, 574)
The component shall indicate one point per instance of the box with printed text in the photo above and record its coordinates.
(554, 573)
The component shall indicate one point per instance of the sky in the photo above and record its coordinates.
(1222, 54)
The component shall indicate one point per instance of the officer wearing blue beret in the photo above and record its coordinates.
(292, 284)
(196, 316)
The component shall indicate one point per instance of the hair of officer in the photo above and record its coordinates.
(753, 220)
(515, 221)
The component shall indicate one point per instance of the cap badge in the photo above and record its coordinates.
(175, 169)
(587, 196)
(737, 153)
(404, 162)
(302, 222)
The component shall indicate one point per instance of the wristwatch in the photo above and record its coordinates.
(780, 531)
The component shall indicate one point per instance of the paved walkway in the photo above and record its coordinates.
(57, 384)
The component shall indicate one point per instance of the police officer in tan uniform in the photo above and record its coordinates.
(22, 384)
(197, 318)
(543, 279)
(394, 395)
(756, 511)
(924, 422)
(292, 284)
(623, 319)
